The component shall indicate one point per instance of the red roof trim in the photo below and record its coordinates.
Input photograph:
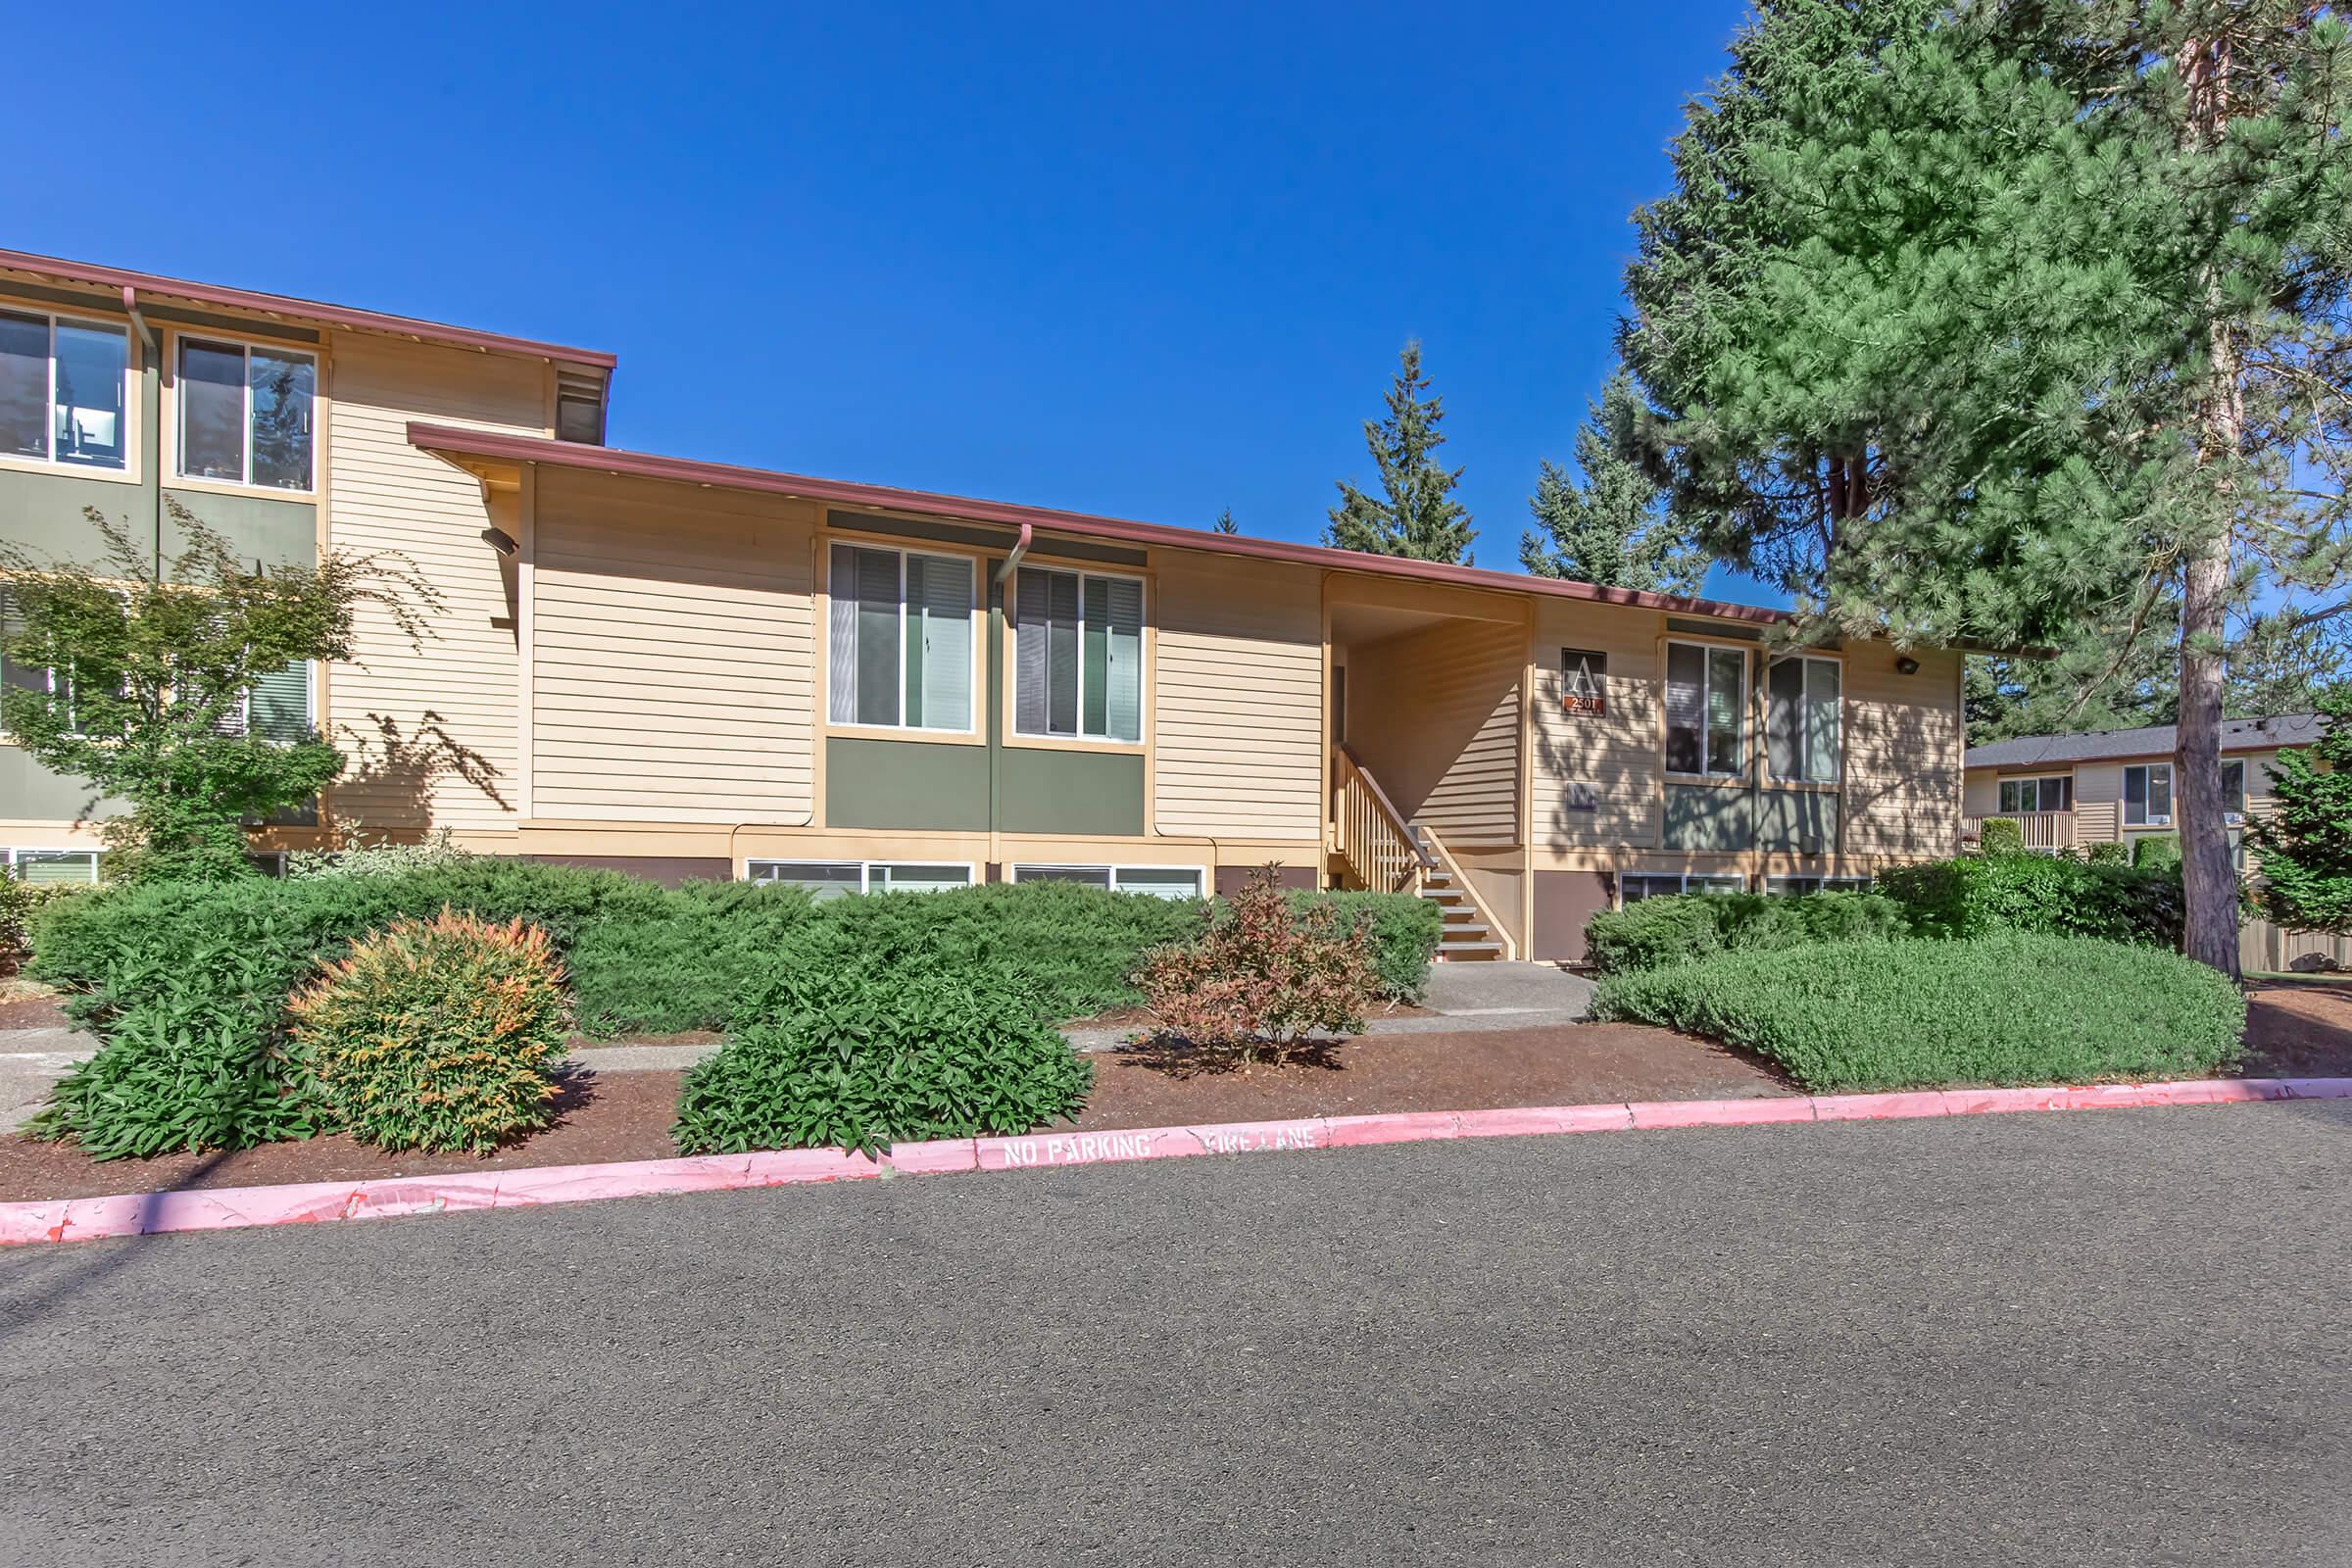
(610, 459)
(113, 277)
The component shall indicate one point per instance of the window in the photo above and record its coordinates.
(1078, 655)
(2148, 795)
(1584, 672)
(2233, 790)
(837, 879)
(53, 681)
(51, 867)
(2053, 793)
(1798, 886)
(1802, 719)
(245, 414)
(1635, 886)
(64, 391)
(1706, 706)
(901, 641)
(1159, 881)
(276, 706)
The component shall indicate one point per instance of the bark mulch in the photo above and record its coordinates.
(627, 1115)
(2299, 1029)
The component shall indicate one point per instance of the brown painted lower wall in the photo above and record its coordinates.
(667, 869)
(1564, 901)
(1231, 878)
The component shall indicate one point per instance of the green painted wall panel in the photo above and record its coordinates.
(1072, 792)
(905, 784)
(1798, 821)
(1703, 817)
(30, 790)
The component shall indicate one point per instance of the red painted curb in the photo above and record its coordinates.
(237, 1208)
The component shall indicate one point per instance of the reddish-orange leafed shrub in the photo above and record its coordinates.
(434, 1034)
(1256, 979)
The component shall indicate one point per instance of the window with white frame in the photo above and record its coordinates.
(65, 390)
(899, 638)
(1159, 881)
(276, 706)
(1707, 710)
(1798, 886)
(1078, 655)
(51, 867)
(2055, 793)
(2233, 790)
(54, 681)
(1803, 719)
(1635, 886)
(246, 413)
(2148, 795)
(836, 879)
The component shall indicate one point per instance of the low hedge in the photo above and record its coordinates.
(2013, 1008)
(1690, 926)
(2055, 895)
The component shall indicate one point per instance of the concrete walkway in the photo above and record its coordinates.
(1462, 995)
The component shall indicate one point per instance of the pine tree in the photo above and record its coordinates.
(1608, 525)
(1416, 514)
(2000, 322)
(1225, 522)
(2306, 841)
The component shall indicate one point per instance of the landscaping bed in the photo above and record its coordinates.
(628, 1116)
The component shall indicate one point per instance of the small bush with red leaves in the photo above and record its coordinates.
(435, 1034)
(1257, 979)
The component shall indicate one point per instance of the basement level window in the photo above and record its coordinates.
(1635, 886)
(1159, 881)
(1798, 886)
(51, 867)
(836, 879)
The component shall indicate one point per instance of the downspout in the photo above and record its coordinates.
(130, 308)
(1006, 604)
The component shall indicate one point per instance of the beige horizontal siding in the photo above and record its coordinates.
(673, 668)
(1903, 750)
(1615, 758)
(1237, 717)
(1433, 715)
(431, 732)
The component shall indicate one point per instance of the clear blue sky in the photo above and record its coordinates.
(1144, 260)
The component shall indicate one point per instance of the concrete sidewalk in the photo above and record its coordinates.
(1463, 997)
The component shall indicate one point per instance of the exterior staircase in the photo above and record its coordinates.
(1465, 938)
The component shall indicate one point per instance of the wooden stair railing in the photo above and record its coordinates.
(1369, 834)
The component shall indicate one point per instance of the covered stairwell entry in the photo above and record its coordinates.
(1426, 716)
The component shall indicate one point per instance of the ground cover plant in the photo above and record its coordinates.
(1256, 980)
(2010, 1008)
(869, 1053)
(1687, 927)
(439, 1035)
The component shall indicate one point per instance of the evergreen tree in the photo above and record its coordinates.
(1416, 515)
(2003, 322)
(1607, 525)
(2306, 841)
(1225, 522)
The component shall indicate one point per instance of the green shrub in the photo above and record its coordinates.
(1977, 896)
(676, 963)
(2157, 852)
(2109, 852)
(1263, 976)
(1405, 931)
(1687, 927)
(2013, 1008)
(2001, 835)
(874, 1053)
(438, 1035)
(187, 1065)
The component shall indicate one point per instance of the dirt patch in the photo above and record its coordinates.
(1130, 1019)
(34, 1012)
(627, 1115)
(2299, 1029)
